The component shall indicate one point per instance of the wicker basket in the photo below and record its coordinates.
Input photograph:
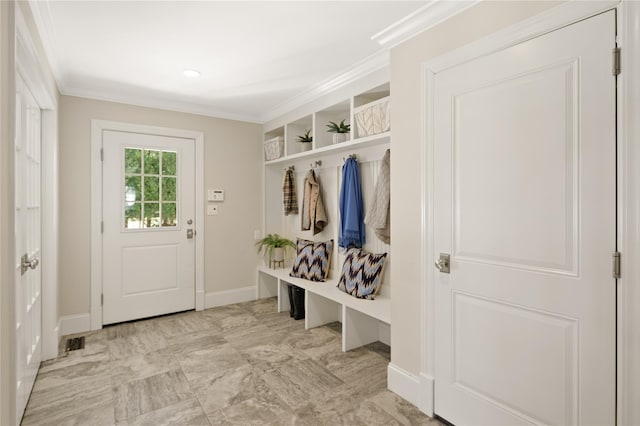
(274, 148)
(373, 118)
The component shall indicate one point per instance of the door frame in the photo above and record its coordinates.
(550, 20)
(97, 128)
(29, 68)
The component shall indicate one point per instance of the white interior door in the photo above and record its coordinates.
(148, 212)
(27, 242)
(525, 205)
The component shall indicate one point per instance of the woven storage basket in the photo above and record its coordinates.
(373, 118)
(274, 148)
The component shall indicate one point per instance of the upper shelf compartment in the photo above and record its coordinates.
(366, 113)
(334, 114)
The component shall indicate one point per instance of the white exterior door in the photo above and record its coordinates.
(27, 239)
(148, 212)
(525, 196)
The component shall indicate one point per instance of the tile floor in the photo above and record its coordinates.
(242, 364)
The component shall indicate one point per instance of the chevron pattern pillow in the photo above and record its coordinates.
(313, 260)
(362, 273)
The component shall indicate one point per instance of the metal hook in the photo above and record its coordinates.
(316, 164)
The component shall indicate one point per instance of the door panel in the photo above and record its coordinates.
(27, 238)
(148, 208)
(525, 204)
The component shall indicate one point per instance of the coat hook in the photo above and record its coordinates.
(316, 164)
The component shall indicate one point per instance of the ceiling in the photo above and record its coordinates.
(254, 57)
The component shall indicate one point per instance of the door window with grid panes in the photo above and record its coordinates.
(150, 188)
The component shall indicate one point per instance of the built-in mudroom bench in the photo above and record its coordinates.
(364, 106)
(363, 321)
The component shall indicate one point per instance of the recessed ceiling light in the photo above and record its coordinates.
(191, 73)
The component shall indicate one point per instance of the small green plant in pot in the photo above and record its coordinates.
(340, 131)
(305, 141)
(274, 246)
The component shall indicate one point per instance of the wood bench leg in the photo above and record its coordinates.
(358, 329)
(320, 310)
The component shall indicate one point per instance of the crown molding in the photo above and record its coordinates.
(370, 64)
(163, 104)
(428, 16)
(44, 25)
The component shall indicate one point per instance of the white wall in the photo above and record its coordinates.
(233, 162)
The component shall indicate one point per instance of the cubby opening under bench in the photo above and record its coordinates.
(363, 321)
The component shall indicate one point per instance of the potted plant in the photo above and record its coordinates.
(274, 245)
(340, 131)
(305, 141)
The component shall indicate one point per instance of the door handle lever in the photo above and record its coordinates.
(443, 263)
(27, 263)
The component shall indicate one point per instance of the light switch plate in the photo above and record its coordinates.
(212, 210)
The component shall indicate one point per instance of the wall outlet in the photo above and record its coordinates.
(257, 234)
(212, 210)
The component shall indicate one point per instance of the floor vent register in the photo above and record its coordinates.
(74, 344)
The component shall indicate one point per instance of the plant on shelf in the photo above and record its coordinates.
(340, 131)
(305, 141)
(274, 245)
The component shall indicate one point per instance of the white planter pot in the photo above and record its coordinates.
(340, 137)
(305, 146)
(278, 254)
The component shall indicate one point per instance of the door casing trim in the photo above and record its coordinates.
(97, 127)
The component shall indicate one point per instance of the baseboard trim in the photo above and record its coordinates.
(72, 324)
(228, 297)
(418, 390)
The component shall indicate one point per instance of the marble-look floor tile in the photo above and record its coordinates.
(401, 410)
(381, 349)
(67, 371)
(270, 356)
(142, 396)
(187, 412)
(71, 402)
(136, 343)
(141, 366)
(199, 365)
(185, 323)
(241, 364)
(229, 387)
(255, 411)
(261, 306)
(299, 382)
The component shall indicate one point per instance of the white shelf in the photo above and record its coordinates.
(372, 140)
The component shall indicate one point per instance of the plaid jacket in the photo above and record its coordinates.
(289, 193)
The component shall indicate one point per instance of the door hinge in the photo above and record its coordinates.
(102, 299)
(616, 61)
(101, 154)
(616, 265)
(102, 227)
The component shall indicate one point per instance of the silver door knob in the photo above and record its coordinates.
(442, 263)
(27, 263)
(190, 234)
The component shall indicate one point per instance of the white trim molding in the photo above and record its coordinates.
(97, 128)
(73, 324)
(629, 214)
(418, 390)
(427, 17)
(229, 297)
(550, 20)
(29, 67)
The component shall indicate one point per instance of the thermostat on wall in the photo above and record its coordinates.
(215, 195)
